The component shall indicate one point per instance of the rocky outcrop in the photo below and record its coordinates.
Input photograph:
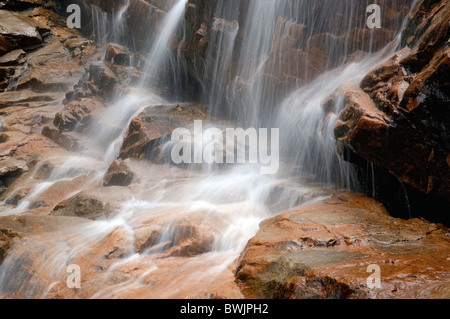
(119, 173)
(154, 123)
(77, 114)
(320, 250)
(17, 32)
(398, 119)
(324, 249)
(178, 234)
(40, 59)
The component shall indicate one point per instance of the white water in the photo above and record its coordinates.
(229, 204)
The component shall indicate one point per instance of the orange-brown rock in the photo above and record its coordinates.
(18, 32)
(178, 234)
(323, 250)
(305, 48)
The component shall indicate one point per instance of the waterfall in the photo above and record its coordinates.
(255, 48)
(160, 56)
(251, 78)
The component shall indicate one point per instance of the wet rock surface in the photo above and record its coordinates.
(323, 250)
(168, 248)
(398, 119)
(156, 122)
(56, 87)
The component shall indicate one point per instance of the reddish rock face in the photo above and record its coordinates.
(399, 117)
(323, 250)
(305, 49)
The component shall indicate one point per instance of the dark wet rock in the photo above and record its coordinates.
(139, 13)
(5, 45)
(306, 49)
(322, 250)
(103, 79)
(4, 137)
(119, 173)
(21, 4)
(18, 31)
(93, 204)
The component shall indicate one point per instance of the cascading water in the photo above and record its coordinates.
(220, 208)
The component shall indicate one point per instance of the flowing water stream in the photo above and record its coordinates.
(222, 206)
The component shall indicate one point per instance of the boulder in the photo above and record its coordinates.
(117, 54)
(324, 250)
(156, 122)
(77, 113)
(18, 31)
(103, 79)
(93, 204)
(67, 141)
(119, 173)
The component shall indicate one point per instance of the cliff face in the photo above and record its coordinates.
(398, 118)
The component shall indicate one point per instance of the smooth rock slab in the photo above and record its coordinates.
(18, 30)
